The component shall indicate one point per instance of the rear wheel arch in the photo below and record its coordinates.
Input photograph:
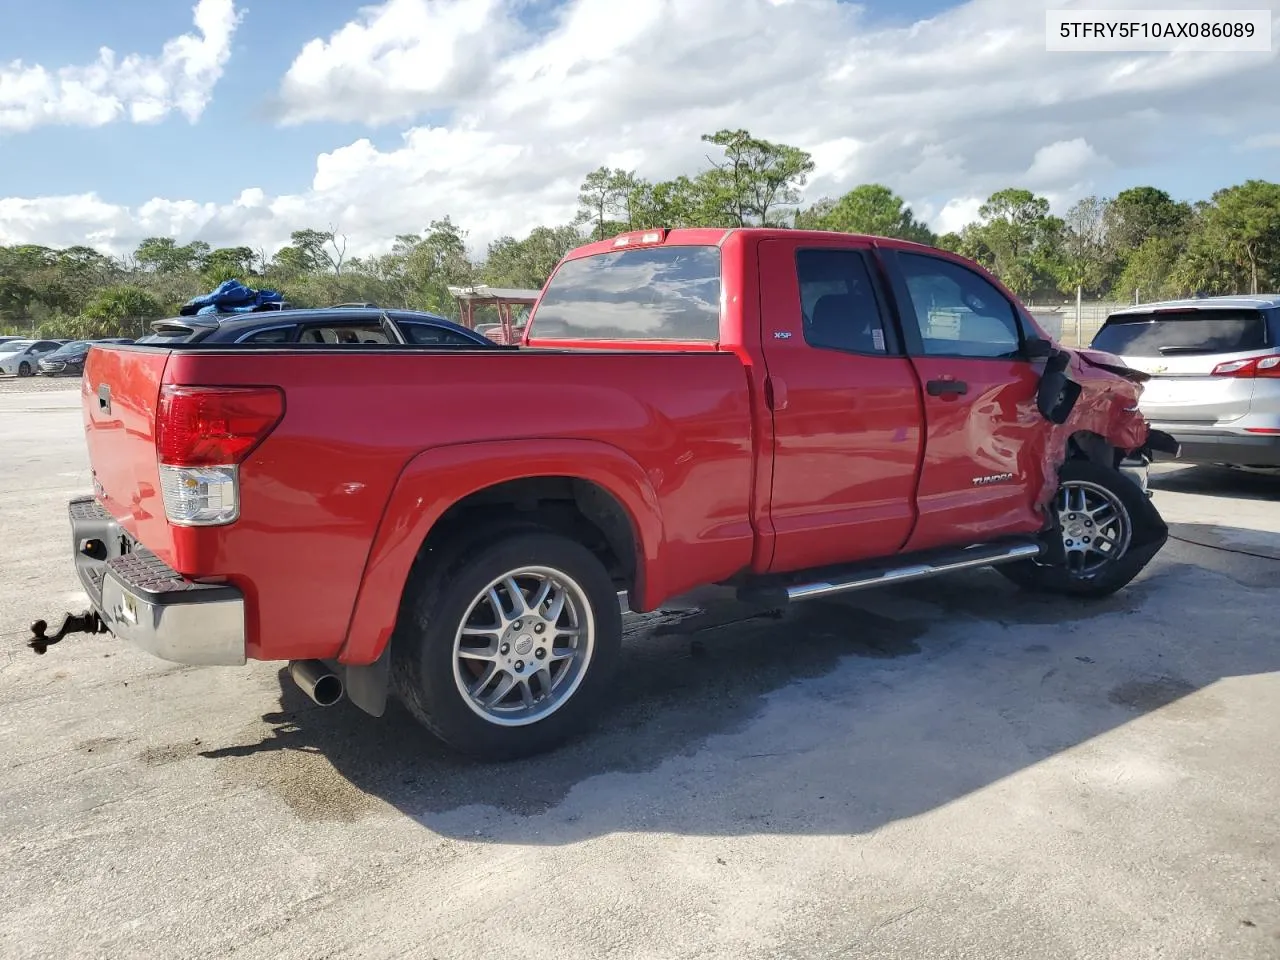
(577, 508)
(593, 487)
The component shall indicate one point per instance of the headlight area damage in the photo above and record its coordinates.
(1091, 401)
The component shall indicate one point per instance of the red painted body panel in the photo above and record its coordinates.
(374, 447)
(993, 430)
(444, 475)
(847, 435)
(121, 437)
(359, 429)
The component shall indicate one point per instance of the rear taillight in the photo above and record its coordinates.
(202, 435)
(1250, 368)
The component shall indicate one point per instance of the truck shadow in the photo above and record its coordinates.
(838, 718)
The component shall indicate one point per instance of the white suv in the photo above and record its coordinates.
(1215, 373)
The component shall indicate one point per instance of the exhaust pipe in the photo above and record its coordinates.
(317, 681)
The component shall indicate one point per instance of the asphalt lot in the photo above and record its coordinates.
(945, 770)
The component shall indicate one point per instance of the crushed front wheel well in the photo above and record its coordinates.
(1087, 445)
(576, 508)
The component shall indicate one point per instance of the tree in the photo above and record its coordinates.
(1088, 259)
(120, 311)
(1139, 213)
(1018, 240)
(426, 265)
(291, 261)
(228, 263)
(163, 255)
(755, 178)
(870, 209)
(604, 201)
(319, 249)
(1149, 270)
(681, 202)
(816, 215)
(1244, 221)
(527, 263)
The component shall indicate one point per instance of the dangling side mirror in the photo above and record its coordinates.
(1038, 348)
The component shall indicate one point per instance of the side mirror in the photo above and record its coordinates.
(1057, 393)
(1038, 348)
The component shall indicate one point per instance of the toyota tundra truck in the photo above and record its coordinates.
(786, 414)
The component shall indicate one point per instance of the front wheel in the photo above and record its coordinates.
(1108, 531)
(507, 651)
(24, 369)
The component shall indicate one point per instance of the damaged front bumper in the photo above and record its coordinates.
(1137, 465)
(140, 599)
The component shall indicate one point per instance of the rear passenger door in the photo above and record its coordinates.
(845, 404)
(983, 454)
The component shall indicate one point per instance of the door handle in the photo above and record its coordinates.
(776, 393)
(946, 388)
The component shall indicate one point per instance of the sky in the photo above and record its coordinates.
(238, 121)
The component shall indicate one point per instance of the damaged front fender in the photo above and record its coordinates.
(1090, 401)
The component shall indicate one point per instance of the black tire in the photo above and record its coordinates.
(24, 369)
(440, 595)
(1148, 534)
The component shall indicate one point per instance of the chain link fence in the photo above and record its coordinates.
(1071, 327)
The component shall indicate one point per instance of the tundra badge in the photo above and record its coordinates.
(994, 478)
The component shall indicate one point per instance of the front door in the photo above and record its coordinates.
(846, 407)
(983, 462)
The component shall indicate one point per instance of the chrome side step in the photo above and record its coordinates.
(922, 567)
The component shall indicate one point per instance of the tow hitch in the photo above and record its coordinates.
(88, 622)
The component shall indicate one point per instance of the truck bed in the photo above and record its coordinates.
(355, 419)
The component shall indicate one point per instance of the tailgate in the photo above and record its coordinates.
(120, 391)
(1183, 388)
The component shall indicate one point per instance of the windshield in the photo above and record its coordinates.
(1158, 334)
(15, 346)
(647, 293)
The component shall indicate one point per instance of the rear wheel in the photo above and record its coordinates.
(24, 369)
(1106, 531)
(505, 649)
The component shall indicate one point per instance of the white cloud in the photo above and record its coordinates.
(944, 111)
(956, 213)
(1063, 162)
(140, 88)
(396, 60)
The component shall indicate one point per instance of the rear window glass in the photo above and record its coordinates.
(168, 334)
(649, 293)
(1194, 332)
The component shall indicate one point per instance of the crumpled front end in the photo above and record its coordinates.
(1091, 400)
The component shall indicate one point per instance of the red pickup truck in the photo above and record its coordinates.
(791, 413)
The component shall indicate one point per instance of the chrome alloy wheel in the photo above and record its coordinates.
(1095, 526)
(524, 646)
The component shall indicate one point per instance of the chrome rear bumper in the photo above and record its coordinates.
(145, 602)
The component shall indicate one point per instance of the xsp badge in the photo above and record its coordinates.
(994, 478)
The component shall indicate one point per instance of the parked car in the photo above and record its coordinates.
(353, 324)
(1215, 373)
(20, 358)
(68, 360)
(791, 413)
